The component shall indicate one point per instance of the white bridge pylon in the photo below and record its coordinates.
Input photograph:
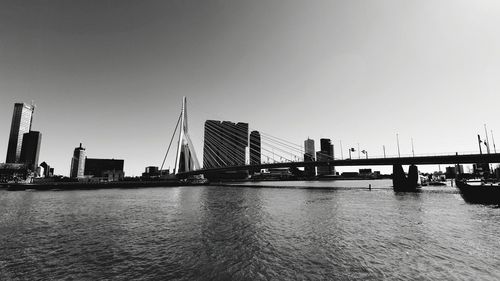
(185, 159)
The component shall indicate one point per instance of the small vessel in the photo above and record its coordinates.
(479, 191)
(437, 183)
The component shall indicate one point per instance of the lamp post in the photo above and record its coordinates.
(397, 139)
(341, 151)
(351, 150)
(365, 153)
(412, 148)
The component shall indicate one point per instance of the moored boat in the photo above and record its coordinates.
(479, 191)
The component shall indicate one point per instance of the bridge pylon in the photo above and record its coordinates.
(185, 160)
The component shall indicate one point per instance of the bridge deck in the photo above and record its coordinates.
(418, 160)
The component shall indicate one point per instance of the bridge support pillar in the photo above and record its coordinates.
(401, 182)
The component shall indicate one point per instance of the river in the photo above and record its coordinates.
(331, 230)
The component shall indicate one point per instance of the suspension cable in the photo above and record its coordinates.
(168, 149)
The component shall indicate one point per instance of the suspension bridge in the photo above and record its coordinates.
(236, 147)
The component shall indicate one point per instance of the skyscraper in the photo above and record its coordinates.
(21, 124)
(309, 149)
(225, 144)
(30, 149)
(325, 154)
(309, 157)
(255, 149)
(78, 162)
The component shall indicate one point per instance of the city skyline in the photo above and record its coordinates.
(112, 76)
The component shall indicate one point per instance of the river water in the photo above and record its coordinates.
(338, 230)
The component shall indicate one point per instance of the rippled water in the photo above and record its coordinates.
(243, 233)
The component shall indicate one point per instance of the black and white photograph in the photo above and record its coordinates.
(249, 140)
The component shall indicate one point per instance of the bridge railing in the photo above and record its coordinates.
(411, 155)
(354, 157)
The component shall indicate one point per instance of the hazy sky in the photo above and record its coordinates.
(111, 74)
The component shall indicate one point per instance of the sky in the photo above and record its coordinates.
(112, 74)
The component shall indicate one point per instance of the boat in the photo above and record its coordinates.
(479, 191)
(437, 183)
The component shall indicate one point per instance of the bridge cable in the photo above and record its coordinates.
(233, 133)
(168, 149)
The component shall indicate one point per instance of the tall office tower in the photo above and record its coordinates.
(309, 149)
(255, 150)
(30, 149)
(325, 154)
(21, 124)
(308, 157)
(78, 162)
(225, 144)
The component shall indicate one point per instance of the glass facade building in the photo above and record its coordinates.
(225, 144)
(21, 124)
(78, 162)
(31, 149)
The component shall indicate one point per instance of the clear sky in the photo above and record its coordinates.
(111, 74)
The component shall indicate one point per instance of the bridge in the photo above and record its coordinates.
(419, 160)
(225, 144)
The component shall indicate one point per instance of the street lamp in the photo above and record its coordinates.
(351, 150)
(365, 153)
(397, 139)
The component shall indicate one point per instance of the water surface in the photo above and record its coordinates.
(343, 232)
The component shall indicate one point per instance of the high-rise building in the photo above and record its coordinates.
(78, 163)
(309, 157)
(30, 149)
(21, 124)
(325, 154)
(309, 149)
(225, 144)
(255, 148)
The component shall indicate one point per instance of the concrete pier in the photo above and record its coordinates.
(401, 182)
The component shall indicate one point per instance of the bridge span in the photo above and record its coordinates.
(417, 160)
(226, 144)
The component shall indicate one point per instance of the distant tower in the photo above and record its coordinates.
(78, 162)
(21, 124)
(308, 157)
(309, 149)
(255, 149)
(31, 149)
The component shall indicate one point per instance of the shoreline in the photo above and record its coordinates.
(144, 184)
(90, 186)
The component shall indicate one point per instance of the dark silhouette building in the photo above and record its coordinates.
(21, 124)
(78, 162)
(111, 169)
(30, 149)
(154, 172)
(255, 148)
(225, 144)
(325, 154)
